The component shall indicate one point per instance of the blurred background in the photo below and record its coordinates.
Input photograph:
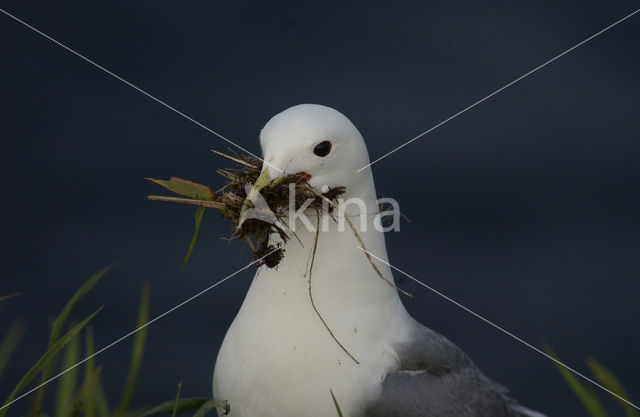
(525, 209)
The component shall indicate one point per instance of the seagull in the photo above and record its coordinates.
(339, 340)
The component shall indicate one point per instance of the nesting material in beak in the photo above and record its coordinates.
(255, 201)
(252, 200)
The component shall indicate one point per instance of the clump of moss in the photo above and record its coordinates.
(229, 200)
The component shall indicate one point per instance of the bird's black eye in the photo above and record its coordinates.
(322, 149)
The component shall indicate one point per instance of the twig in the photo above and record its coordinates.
(226, 174)
(313, 304)
(357, 235)
(202, 203)
(238, 160)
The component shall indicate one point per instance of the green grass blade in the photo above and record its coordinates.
(89, 383)
(586, 395)
(79, 404)
(210, 405)
(175, 405)
(96, 403)
(136, 354)
(68, 381)
(9, 344)
(57, 327)
(6, 297)
(184, 404)
(45, 359)
(335, 402)
(192, 244)
(81, 292)
(102, 403)
(612, 383)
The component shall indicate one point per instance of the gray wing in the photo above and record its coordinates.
(436, 379)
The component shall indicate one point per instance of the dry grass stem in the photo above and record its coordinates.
(357, 235)
(313, 304)
(202, 203)
(234, 159)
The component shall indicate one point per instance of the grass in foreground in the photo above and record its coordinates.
(79, 390)
(587, 395)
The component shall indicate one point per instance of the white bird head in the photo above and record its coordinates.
(316, 140)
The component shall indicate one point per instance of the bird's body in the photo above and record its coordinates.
(279, 352)
(279, 358)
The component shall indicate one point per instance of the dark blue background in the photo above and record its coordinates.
(525, 209)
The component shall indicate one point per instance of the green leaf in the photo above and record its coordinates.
(44, 360)
(9, 344)
(612, 383)
(585, 394)
(6, 297)
(183, 404)
(212, 405)
(136, 354)
(192, 244)
(57, 327)
(187, 188)
(335, 402)
(67, 381)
